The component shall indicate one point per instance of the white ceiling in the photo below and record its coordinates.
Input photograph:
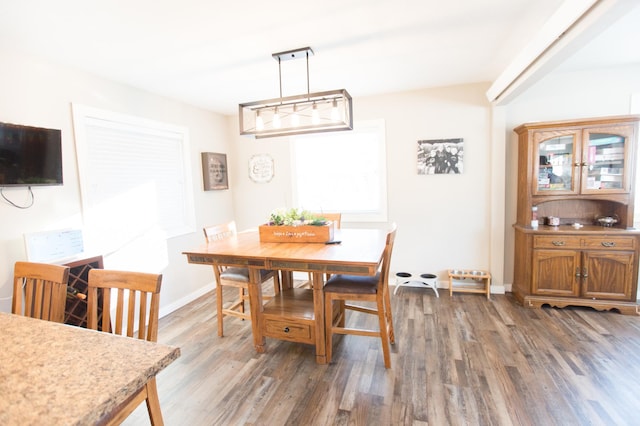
(216, 54)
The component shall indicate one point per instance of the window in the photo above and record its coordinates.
(342, 172)
(134, 179)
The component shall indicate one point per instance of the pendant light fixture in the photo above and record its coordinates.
(293, 115)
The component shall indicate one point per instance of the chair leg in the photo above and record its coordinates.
(241, 299)
(153, 403)
(219, 307)
(384, 337)
(389, 315)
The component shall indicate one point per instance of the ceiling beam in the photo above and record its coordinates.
(574, 24)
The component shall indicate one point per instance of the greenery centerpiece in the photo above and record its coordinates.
(296, 225)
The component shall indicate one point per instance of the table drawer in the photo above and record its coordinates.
(556, 241)
(610, 243)
(288, 330)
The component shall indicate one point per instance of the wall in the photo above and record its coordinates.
(560, 96)
(38, 93)
(444, 221)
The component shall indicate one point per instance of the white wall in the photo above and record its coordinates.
(38, 93)
(444, 221)
(560, 96)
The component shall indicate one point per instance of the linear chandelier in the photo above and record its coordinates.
(293, 115)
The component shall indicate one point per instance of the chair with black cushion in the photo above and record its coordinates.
(231, 276)
(137, 298)
(40, 290)
(336, 218)
(343, 288)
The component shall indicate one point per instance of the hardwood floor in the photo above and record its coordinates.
(460, 360)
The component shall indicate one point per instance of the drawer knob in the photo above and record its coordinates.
(608, 244)
(286, 329)
(558, 243)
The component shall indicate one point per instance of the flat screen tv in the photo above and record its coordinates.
(30, 156)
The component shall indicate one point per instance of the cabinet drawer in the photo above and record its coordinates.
(289, 330)
(556, 241)
(610, 243)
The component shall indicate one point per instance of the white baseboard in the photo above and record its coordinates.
(166, 310)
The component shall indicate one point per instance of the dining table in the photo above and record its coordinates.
(294, 314)
(58, 374)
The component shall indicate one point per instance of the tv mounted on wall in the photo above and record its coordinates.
(30, 156)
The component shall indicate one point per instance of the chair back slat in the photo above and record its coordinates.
(133, 311)
(220, 232)
(336, 218)
(386, 257)
(40, 290)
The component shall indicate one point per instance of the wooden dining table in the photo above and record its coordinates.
(359, 252)
(57, 374)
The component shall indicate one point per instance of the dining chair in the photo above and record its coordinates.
(137, 304)
(356, 288)
(336, 218)
(40, 290)
(231, 276)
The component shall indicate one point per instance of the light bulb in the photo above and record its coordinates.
(276, 119)
(335, 114)
(315, 115)
(259, 122)
(295, 118)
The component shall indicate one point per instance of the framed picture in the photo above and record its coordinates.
(261, 168)
(214, 171)
(440, 156)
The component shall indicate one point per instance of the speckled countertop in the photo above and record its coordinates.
(58, 374)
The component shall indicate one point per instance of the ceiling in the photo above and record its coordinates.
(215, 54)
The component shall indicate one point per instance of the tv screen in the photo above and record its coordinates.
(30, 156)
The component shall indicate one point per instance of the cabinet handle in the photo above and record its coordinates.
(608, 244)
(578, 273)
(584, 273)
(558, 243)
(286, 329)
(576, 165)
(584, 164)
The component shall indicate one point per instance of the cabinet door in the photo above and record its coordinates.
(556, 272)
(556, 162)
(606, 156)
(608, 275)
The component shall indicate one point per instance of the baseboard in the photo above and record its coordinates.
(166, 310)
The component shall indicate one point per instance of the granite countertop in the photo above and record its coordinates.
(58, 374)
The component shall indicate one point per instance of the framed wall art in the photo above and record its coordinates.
(214, 171)
(440, 156)
(261, 168)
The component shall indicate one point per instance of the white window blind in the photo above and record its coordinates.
(134, 178)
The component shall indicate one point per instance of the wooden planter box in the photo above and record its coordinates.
(296, 234)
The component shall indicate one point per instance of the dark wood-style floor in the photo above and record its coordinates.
(460, 360)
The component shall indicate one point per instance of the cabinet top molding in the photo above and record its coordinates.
(578, 122)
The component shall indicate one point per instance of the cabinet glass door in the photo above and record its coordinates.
(556, 165)
(604, 160)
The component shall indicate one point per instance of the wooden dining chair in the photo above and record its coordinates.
(230, 276)
(343, 288)
(40, 290)
(336, 218)
(137, 300)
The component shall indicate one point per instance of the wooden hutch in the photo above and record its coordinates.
(581, 174)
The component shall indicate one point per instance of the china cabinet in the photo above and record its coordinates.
(574, 238)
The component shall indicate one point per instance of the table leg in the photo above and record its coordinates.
(286, 280)
(318, 309)
(255, 301)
